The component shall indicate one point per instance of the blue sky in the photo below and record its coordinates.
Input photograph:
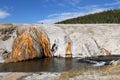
(50, 11)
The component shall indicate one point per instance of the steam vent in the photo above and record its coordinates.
(20, 42)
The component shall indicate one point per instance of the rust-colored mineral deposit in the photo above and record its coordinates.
(32, 43)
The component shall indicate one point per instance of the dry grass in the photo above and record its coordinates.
(70, 74)
(5, 25)
(5, 32)
(6, 37)
(105, 71)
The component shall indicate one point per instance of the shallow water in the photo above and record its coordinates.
(45, 65)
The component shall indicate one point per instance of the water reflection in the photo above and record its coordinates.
(44, 65)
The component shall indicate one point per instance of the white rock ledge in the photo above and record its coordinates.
(85, 39)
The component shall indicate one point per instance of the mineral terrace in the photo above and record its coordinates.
(19, 42)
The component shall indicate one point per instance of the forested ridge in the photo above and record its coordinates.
(109, 16)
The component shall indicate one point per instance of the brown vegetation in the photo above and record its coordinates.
(5, 32)
(104, 73)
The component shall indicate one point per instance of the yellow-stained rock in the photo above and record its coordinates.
(107, 53)
(32, 43)
(68, 50)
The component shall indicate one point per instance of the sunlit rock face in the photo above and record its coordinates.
(71, 40)
(86, 40)
(32, 43)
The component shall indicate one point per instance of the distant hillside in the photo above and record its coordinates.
(109, 16)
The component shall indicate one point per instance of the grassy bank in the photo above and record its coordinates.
(107, 73)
